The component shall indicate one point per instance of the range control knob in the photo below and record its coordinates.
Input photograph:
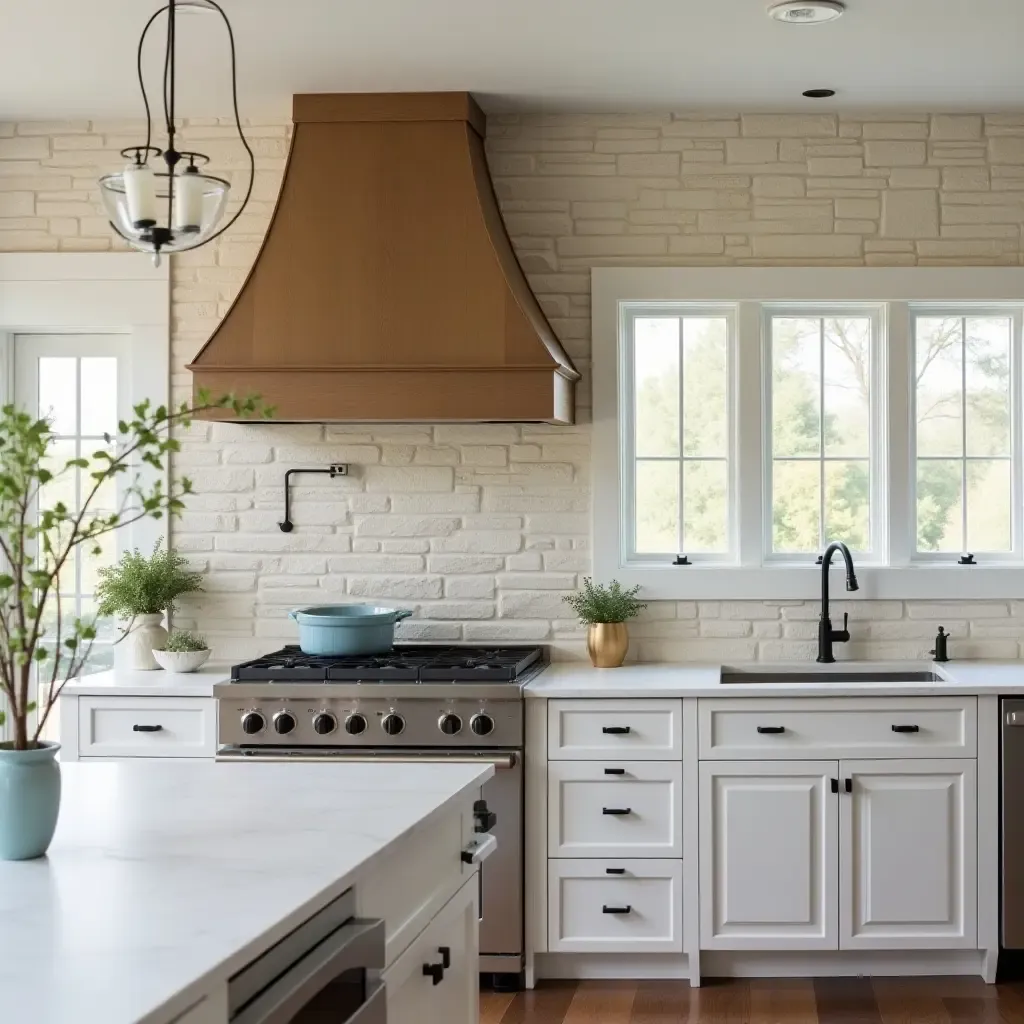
(482, 725)
(253, 722)
(392, 724)
(324, 723)
(355, 724)
(284, 722)
(450, 724)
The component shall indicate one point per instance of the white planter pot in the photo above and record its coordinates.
(146, 635)
(181, 661)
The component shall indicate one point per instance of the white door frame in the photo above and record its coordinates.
(93, 293)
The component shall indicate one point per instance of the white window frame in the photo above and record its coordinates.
(896, 291)
(94, 293)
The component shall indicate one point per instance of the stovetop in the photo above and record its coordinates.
(405, 663)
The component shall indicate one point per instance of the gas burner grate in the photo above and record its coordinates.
(408, 664)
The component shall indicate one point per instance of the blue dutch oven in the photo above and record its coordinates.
(347, 628)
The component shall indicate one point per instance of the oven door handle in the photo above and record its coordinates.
(479, 849)
(359, 944)
(501, 762)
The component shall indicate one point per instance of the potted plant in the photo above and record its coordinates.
(41, 645)
(604, 611)
(185, 652)
(140, 590)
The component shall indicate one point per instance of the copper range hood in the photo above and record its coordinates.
(386, 288)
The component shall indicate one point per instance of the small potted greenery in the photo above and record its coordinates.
(185, 652)
(140, 590)
(604, 611)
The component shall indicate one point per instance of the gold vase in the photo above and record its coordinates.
(607, 643)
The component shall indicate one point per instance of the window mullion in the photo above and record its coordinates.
(1016, 475)
(751, 408)
(680, 532)
(822, 537)
(963, 433)
(897, 435)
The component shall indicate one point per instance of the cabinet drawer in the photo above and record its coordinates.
(835, 727)
(615, 906)
(585, 730)
(147, 726)
(615, 809)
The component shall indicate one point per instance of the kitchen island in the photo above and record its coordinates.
(164, 879)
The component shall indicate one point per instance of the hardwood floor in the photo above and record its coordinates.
(784, 1001)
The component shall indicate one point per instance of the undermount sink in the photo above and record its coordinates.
(816, 674)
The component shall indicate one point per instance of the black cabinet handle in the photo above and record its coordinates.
(617, 810)
(627, 909)
(835, 785)
(614, 871)
(446, 956)
(773, 729)
(435, 972)
(849, 785)
(146, 728)
(615, 730)
(906, 728)
(615, 771)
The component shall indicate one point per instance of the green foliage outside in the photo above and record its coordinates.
(598, 603)
(137, 585)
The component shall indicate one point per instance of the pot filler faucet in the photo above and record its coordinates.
(827, 636)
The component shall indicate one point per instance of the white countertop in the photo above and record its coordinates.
(579, 679)
(119, 682)
(164, 879)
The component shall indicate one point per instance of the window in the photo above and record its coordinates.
(680, 439)
(822, 398)
(965, 388)
(744, 418)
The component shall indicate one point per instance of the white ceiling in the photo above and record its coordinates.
(66, 58)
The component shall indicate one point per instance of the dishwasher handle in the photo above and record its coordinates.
(358, 944)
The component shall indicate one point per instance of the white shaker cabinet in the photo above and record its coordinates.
(768, 833)
(908, 863)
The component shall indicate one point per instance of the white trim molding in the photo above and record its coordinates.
(893, 295)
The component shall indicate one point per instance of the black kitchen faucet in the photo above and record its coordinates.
(827, 636)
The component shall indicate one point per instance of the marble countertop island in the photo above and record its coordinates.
(165, 879)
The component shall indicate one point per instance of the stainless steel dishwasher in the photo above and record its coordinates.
(1011, 798)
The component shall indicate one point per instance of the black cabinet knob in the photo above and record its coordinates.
(485, 819)
(324, 723)
(446, 956)
(253, 722)
(284, 722)
(393, 724)
(435, 972)
(355, 724)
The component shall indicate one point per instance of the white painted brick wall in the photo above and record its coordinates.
(483, 528)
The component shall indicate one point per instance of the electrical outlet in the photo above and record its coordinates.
(339, 469)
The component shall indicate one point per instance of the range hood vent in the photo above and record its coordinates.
(386, 288)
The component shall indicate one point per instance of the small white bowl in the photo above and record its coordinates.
(181, 661)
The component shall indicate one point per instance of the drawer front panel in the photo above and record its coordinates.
(615, 906)
(586, 730)
(834, 727)
(615, 809)
(147, 727)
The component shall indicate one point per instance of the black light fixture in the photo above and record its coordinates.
(179, 208)
(818, 94)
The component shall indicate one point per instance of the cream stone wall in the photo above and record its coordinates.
(483, 528)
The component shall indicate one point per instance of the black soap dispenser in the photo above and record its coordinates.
(941, 653)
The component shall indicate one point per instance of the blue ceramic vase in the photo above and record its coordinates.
(29, 800)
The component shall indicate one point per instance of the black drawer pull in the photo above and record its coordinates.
(906, 728)
(627, 909)
(614, 871)
(434, 972)
(615, 730)
(615, 771)
(146, 728)
(617, 810)
(835, 785)
(446, 956)
(849, 785)
(772, 729)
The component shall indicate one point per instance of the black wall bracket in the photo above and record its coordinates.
(335, 469)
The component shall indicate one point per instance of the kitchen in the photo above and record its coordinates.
(481, 528)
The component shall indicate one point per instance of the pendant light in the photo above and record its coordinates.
(174, 205)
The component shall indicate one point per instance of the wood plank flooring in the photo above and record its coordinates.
(767, 1001)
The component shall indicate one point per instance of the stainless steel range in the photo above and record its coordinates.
(414, 703)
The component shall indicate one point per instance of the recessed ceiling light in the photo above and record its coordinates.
(818, 94)
(806, 12)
